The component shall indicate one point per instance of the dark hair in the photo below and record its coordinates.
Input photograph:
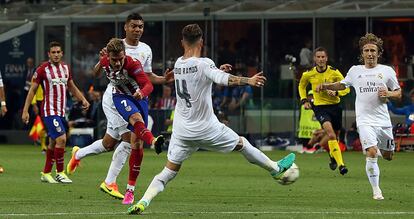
(370, 38)
(134, 16)
(54, 44)
(321, 49)
(115, 45)
(192, 33)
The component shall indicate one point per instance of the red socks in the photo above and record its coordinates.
(135, 161)
(143, 133)
(50, 159)
(59, 156)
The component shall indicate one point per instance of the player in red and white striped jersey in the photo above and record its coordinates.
(55, 78)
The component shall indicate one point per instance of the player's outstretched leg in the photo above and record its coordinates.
(119, 157)
(255, 156)
(157, 185)
(73, 162)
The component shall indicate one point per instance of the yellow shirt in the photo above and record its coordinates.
(315, 78)
(39, 95)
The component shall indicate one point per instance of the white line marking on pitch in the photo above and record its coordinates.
(223, 212)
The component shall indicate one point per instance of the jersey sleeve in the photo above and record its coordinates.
(70, 73)
(136, 71)
(212, 72)
(347, 81)
(392, 81)
(303, 83)
(39, 75)
(147, 66)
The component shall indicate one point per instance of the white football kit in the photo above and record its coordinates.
(372, 117)
(116, 125)
(195, 125)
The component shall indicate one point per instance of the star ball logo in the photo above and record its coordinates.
(16, 43)
(16, 52)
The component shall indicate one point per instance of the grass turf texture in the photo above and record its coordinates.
(210, 185)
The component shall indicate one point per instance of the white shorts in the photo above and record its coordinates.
(116, 125)
(225, 141)
(381, 137)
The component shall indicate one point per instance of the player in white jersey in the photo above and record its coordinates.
(2, 98)
(374, 84)
(117, 126)
(195, 125)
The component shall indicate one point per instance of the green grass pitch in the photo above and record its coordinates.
(209, 185)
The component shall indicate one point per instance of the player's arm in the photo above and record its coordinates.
(395, 94)
(344, 92)
(73, 89)
(97, 69)
(336, 86)
(145, 85)
(28, 101)
(257, 80)
(303, 83)
(168, 77)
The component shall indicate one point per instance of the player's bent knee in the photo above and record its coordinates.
(240, 144)
(372, 152)
(388, 155)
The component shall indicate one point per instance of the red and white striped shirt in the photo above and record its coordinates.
(53, 79)
(129, 79)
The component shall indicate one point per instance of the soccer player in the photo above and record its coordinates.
(2, 98)
(326, 103)
(55, 77)
(117, 126)
(195, 125)
(373, 84)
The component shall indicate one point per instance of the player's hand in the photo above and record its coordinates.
(3, 110)
(103, 52)
(383, 94)
(169, 76)
(307, 105)
(258, 80)
(320, 88)
(331, 93)
(138, 95)
(25, 117)
(226, 67)
(85, 105)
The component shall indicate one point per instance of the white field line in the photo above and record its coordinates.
(217, 212)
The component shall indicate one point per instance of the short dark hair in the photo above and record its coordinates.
(134, 16)
(54, 44)
(115, 45)
(321, 49)
(192, 33)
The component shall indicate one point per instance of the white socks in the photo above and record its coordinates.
(255, 156)
(119, 158)
(373, 173)
(94, 148)
(158, 184)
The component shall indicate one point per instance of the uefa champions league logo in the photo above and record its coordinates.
(16, 52)
(16, 43)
